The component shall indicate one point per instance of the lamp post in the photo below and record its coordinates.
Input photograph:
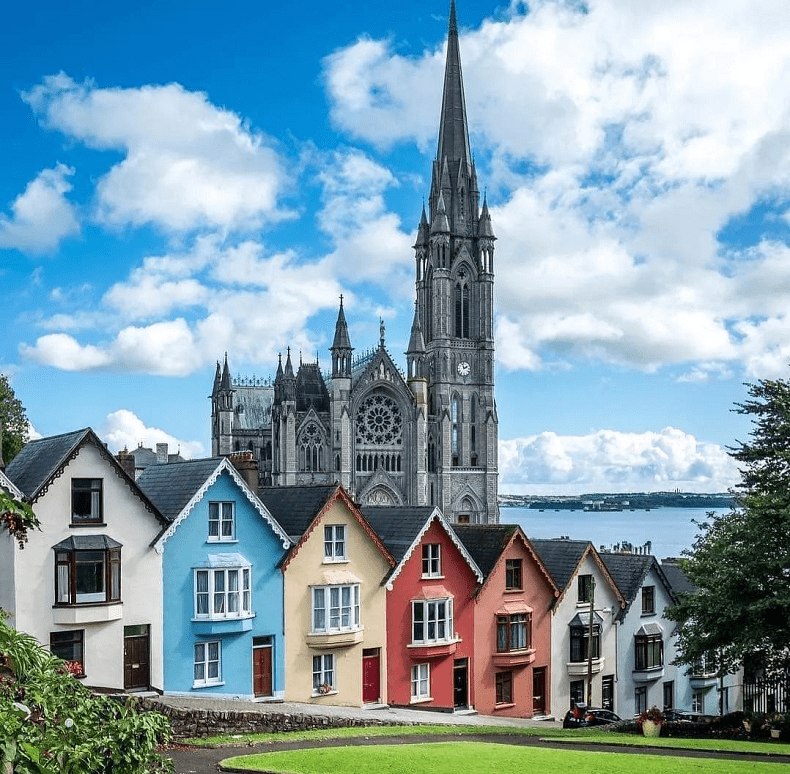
(590, 641)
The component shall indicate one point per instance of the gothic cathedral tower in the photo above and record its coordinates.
(451, 349)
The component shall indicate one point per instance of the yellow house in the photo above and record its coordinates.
(335, 603)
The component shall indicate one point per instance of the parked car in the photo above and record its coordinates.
(582, 716)
(679, 716)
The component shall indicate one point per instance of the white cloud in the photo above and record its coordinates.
(123, 429)
(621, 139)
(613, 461)
(41, 216)
(188, 164)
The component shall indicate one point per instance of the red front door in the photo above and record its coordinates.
(371, 676)
(262, 670)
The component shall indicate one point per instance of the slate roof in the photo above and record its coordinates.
(397, 526)
(252, 406)
(677, 578)
(39, 459)
(295, 507)
(311, 390)
(485, 542)
(170, 487)
(629, 571)
(561, 557)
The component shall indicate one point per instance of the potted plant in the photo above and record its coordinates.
(651, 721)
(776, 723)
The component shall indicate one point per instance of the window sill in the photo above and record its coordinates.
(199, 686)
(514, 591)
(319, 694)
(651, 614)
(222, 625)
(95, 613)
(432, 650)
(421, 700)
(81, 524)
(213, 540)
(504, 705)
(431, 577)
(335, 561)
(514, 657)
(583, 605)
(342, 639)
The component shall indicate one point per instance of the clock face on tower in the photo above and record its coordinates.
(464, 369)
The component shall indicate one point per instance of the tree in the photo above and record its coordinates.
(740, 561)
(51, 724)
(13, 419)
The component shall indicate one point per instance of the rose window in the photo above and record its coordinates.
(379, 421)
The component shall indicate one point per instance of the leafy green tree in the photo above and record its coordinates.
(13, 419)
(51, 724)
(740, 561)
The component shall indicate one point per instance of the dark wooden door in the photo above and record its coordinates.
(371, 676)
(262, 670)
(136, 657)
(461, 683)
(539, 691)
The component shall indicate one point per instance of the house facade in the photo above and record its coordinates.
(223, 614)
(88, 584)
(430, 610)
(512, 660)
(583, 579)
(335, 618)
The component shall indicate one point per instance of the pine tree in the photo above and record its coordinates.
(14, 421)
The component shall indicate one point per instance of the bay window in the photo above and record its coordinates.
(432, 621)
(222, 592)
(87, 570)
(335, 608)
(513, 632)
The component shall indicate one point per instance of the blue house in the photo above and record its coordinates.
(223, 589)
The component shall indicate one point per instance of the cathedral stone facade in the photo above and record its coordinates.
(426, 436)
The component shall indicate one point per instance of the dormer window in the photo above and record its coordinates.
(221, 522)
(86, 501)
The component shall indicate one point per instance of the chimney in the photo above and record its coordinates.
(161, 454)
(247, 466)
(126, 461)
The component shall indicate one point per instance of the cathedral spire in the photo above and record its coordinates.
(225, 380)
(341, 348)
(453, 132)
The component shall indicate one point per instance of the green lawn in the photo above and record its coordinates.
(480, 758)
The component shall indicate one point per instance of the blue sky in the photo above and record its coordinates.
(184, 179)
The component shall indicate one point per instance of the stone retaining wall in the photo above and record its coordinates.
(201, 723)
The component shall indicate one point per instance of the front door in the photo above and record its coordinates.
(539, 691)
(371, 676)
(136, 658)
(262, 666)
(461, 683)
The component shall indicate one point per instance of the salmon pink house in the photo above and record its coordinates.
(512, 611)
(430, 609)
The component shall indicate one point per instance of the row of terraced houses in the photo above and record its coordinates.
(188, 581)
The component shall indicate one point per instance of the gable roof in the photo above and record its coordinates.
(676, 577)
(487, 542)
(563, 557)
(41, 461)
(629, 572)
(177, 487)
(300, 508)
(402, 529)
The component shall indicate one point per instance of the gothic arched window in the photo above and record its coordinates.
(462, 307)
(456, 430)
(311, 448)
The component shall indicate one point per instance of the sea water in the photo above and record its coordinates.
(670, 530)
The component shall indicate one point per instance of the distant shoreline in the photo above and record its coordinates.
(619, 502)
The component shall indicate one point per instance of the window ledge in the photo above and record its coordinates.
(214, 541)
(78, 614)
(342, 639)
(421, 700)
(431, 577)
(326, 560)
(200, 686)
(81, 524)
(651, 614)
(576, 668)
(504, 705)
(514, 591)
(514, 657)
(582, 605)
(433, 649)
(318, 694)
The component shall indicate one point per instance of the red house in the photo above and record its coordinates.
(512, 611)
(430, 609)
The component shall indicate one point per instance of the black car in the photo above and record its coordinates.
(583, 716)
(679, 716)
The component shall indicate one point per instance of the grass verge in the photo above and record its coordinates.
(479, 757)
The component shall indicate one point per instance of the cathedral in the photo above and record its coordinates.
(423, 436)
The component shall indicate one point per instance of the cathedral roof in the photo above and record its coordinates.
(252, 406)
(311, 389)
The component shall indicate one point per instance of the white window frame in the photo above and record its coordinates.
(324, 674)
(214, 599)
(420, 682)
(335, 608)
(221, 521)
(426, 618)
(432, 560)
(335, 547)
(203, 662)
(698, 702)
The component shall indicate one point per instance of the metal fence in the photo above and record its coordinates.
(767, 695)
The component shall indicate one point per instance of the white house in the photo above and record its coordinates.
(578, 571)
(88, 584)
